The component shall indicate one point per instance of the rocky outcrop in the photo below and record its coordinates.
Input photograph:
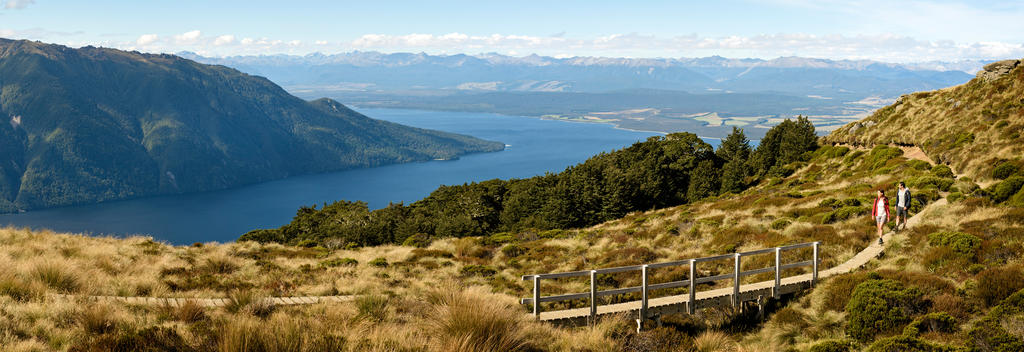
(997, 69)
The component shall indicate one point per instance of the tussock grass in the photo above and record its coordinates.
(471, 320)
(58, 277)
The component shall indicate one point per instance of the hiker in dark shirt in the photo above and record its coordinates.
(902, 204)
(880, 212)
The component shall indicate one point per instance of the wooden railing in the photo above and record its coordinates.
(645, 287)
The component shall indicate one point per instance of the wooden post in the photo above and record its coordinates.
(690, 308)
(814, 275)
(778, 272)
(643, 292)
(536, 296)
(736, 282)
(593, 297)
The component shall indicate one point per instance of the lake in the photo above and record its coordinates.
(535, 146)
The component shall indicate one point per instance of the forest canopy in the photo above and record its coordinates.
(659, 172)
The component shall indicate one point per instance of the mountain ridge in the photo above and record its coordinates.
(97, 124)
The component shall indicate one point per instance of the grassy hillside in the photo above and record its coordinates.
(94, 124)
(972, 127)
(953, 282)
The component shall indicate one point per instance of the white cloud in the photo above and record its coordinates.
(224, 40)
(146, 39)
(320, 42)
(17, 4)
(189, 37)
(247, 41)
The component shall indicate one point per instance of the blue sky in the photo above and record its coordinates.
(900, 31)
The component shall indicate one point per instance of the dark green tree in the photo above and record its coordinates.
(735, 153)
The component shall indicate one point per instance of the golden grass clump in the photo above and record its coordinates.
(473, 320)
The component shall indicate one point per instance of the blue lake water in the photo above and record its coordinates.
(535, 146)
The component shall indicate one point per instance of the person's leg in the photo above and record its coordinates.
(880, 224)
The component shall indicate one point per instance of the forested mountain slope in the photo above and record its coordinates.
(94, 124)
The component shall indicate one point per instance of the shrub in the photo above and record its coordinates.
(955, 197)
(513, 250)
(918, 164)
(834, 346)
(418, 240)
(713, 341)
(907, 344)
(497, 239)
(961, 243)
(57, 277)
(1007, 188)
(830, 203)
(780, 224)
(942, 171)
(379, 262)
(842, 214)
(880, 306)
(932, 322)
(939, 183)
(336, 262)
(839, 289)
(995, 284)
(880, 155)
(1004, 170)
(477, 270)
(990, 334)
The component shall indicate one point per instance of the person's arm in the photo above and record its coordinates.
(874, 208)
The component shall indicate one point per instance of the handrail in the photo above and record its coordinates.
(645, 287)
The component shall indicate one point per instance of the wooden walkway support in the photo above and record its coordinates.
(694, 299)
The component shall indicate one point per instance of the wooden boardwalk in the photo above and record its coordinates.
(205, 302)
(729, 296)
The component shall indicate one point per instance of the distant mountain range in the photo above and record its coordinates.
(848, 80)
(93, 124)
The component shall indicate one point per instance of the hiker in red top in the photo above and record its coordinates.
(880, 212)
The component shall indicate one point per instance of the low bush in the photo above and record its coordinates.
(780, 224)
(997, 283)
(834, 346)
(908, 344)
(1006, 189)
(964, 244)
(939, 322)
(881, 307)
(942, 184)
(513, 250)
(942, 171)
(418, 240)
(843, 213)
(379, 262)
(336, 262)
(990, 334)
(1004, 170)
(477, 270)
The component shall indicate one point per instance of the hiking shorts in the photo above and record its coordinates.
(901, 211)
(880, 219)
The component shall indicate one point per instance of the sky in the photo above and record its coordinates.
(892, 31)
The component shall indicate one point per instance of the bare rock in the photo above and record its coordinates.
(997, 69)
